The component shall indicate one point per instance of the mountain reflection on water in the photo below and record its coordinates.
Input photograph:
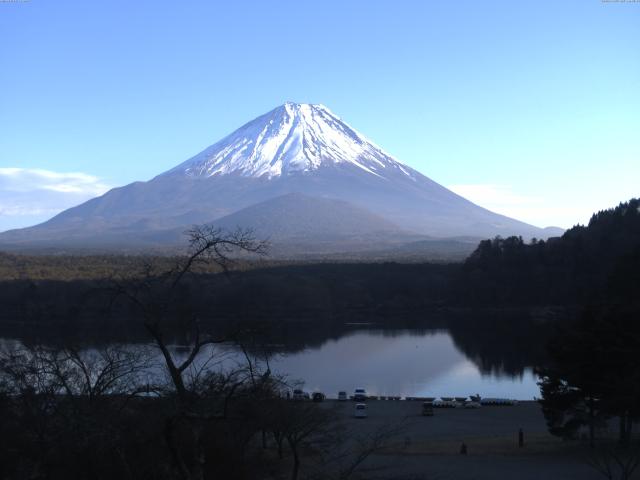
(406, 362)
(492, 356)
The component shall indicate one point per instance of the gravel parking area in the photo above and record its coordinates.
(448, 423)
(429, 447)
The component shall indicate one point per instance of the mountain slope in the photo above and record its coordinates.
(301, 217)
(294, 148)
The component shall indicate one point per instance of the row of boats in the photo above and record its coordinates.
(360, 395)
(462, 401)
(429, 403)
(471, 401)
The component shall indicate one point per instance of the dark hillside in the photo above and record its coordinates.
(567, 270)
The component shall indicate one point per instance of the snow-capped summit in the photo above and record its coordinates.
(297, 171)
(292, 138)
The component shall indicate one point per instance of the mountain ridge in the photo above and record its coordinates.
(293, 148)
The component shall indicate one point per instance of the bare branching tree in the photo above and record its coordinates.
(299, 422)
(344, 451)
(202, 394)
(68, 397)
(615, 462)
(99, 409)
(154, 294)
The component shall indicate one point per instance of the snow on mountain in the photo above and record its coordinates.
(291, 138)
(259, 172)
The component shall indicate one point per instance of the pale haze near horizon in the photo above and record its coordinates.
(530, 110)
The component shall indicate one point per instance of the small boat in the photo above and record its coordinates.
(444, 404)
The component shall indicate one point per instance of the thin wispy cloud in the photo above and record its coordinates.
(537, 210)
(29, 179)
(501, 196)
(30, 195)
(555, 208)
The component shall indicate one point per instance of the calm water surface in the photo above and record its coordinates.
(385, 362)
(404, 363)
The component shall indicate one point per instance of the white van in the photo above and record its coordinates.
(360, 410)
(300, 395)
(360, 395)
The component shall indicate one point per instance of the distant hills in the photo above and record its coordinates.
(298, 175)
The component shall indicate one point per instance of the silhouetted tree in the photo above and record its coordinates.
(154, 296)
(594, 374)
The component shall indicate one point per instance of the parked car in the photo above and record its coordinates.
(360, 410)
(300, 395)
(427, 409)
(472, 405)
(360, 395)
(342, 396)
(318, 397)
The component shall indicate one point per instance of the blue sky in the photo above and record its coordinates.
(531, 109)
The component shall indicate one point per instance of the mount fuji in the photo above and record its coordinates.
(281, 174)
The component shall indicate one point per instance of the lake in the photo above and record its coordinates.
(400, 362)
(460, 360)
